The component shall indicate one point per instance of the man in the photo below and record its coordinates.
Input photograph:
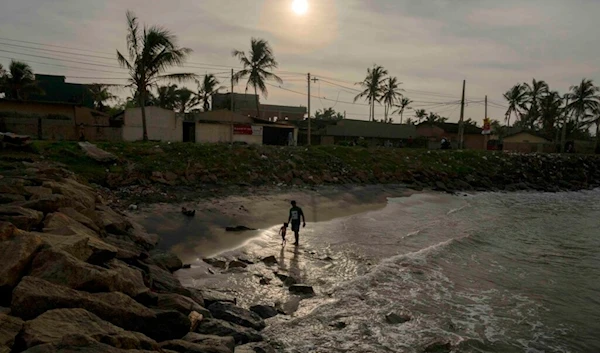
(294, 218)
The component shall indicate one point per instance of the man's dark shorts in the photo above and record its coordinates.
(295, 227)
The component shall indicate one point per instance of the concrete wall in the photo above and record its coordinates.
(221, 133)
(162, 125)
(524, 137)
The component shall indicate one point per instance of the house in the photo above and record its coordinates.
(526, 141)
(161, 124)
(434, 132)
(57, 90)
(226, 126)
(326, 132)
(245, 104)
(55, 121)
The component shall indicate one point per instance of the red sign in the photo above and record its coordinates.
(242, 129)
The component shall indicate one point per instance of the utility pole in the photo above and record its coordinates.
(232, 106)
(461, 127)
(308, 116)
(563, 138)
(485, 108)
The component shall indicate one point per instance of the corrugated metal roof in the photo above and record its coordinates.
(361, 128)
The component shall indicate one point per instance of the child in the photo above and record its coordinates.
(282, 232)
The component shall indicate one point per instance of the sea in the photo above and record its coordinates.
(490, 272)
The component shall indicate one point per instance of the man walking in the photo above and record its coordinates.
(295, 215)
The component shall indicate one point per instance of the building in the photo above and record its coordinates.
(245, 104)
(434, 132)
(57, 90)
(55, 121)
(326, 132)
(161, 124)
(224, 126)
(527, 142)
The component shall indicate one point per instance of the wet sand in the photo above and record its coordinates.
(202, 236)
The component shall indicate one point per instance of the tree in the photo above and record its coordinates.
(517, 98)
(185, 100)
(534, 94)
(390, 95)
(166, 97)
(152, 51)
(328, 114)
(420, 114)
(584, 99)
(207, 89)
(435, 118)
(404, 103)
(595, 119)
(19, 82)
(469, 122)
(550, 113)
(257, 68)
(372, 85)
(410, 121)
(100, 94)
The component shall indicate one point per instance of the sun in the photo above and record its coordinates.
(300, 7)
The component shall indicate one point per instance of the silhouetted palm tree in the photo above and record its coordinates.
(550, 114)
(517, 98)
(372, 85)
(258, 64)
(19, 82)
(208, 88)
(534, 95)
(166, 97)
(404, 103)
(389, 95)
(185, 99)
(420, 114)
(152, 51)
(583, 99)
(100, 94)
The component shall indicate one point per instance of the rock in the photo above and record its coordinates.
(132, 207)
(167, 261)
(127, 250)
(36, 192)
(210, 340)
(289, 307)
(264, 281)
(97, 154)
(48, 203)
(216, 263)
(439, 186)
(339, 325)
(237, 264)
(9, 328)
(270, 260)
(162, 280)
(260, 347)
(182, 346)
(16, 256)
(169, 325)
(287, 280)
(236, 315)
(84, 248)
(112, 222)
(132, 278)
(211, 296)
(7, 230)
(78, 343)
(10, 198)
(264, 311)
(170, 176)
(238, 229)
(195, 318)
(138, 234)
(80, 218)
(302, 289)
(395, 319)
(61, 268)
(186, 266)
(22, 218)
(52, 326)
(185, 305)
(239, 333)
(79, 196)
(438, 347)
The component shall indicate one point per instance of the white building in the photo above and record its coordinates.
(161, 124)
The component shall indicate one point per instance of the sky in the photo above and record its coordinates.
(431, 46)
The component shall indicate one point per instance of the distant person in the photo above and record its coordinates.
(295, 215)
(282, 232)
(290, 139)
(445, 145)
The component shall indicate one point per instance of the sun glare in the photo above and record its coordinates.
(300, 7)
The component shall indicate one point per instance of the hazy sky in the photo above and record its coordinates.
(431, 46)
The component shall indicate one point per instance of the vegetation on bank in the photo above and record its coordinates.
(215, 165)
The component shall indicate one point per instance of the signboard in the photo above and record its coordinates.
(247, 130)
(487, 126)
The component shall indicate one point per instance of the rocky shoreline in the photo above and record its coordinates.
(78, 276)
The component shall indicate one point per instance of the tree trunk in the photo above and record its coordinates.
(401, 114)
(258, 105)
(142, 103)
(597, 142)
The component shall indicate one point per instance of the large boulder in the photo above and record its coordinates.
(112, 222)
(138, 234)
(54, 325)
(80, 197)
(162, 280)
(236, 315)
(64, 269)
(77, 344)
(10, 198)
(132, 277)
(167, 261)
(182, 346)
(48, 203)
(81, 218)
(85, 248)
(302, 289)
(36, 192)
(127, 250)
(264, 311)
(22, 218)
(7, 230)
(185, 305)
(16, 256)
(211, 296)
(226, 341)
(169, 324)
(239, 333)
(9, 328)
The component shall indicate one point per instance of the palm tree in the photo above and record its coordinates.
(372, 85)
(410, 121)
(257, 67)
(166, 97)
(404, 103)
(420, 114)
(152, 51)
(535, 93)
(390, 95)
(185, 99)
(550, 113)
(584, 99)
(19, 82)
(208, 88)
(516, 97)
(100, 94)
(595, 119)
